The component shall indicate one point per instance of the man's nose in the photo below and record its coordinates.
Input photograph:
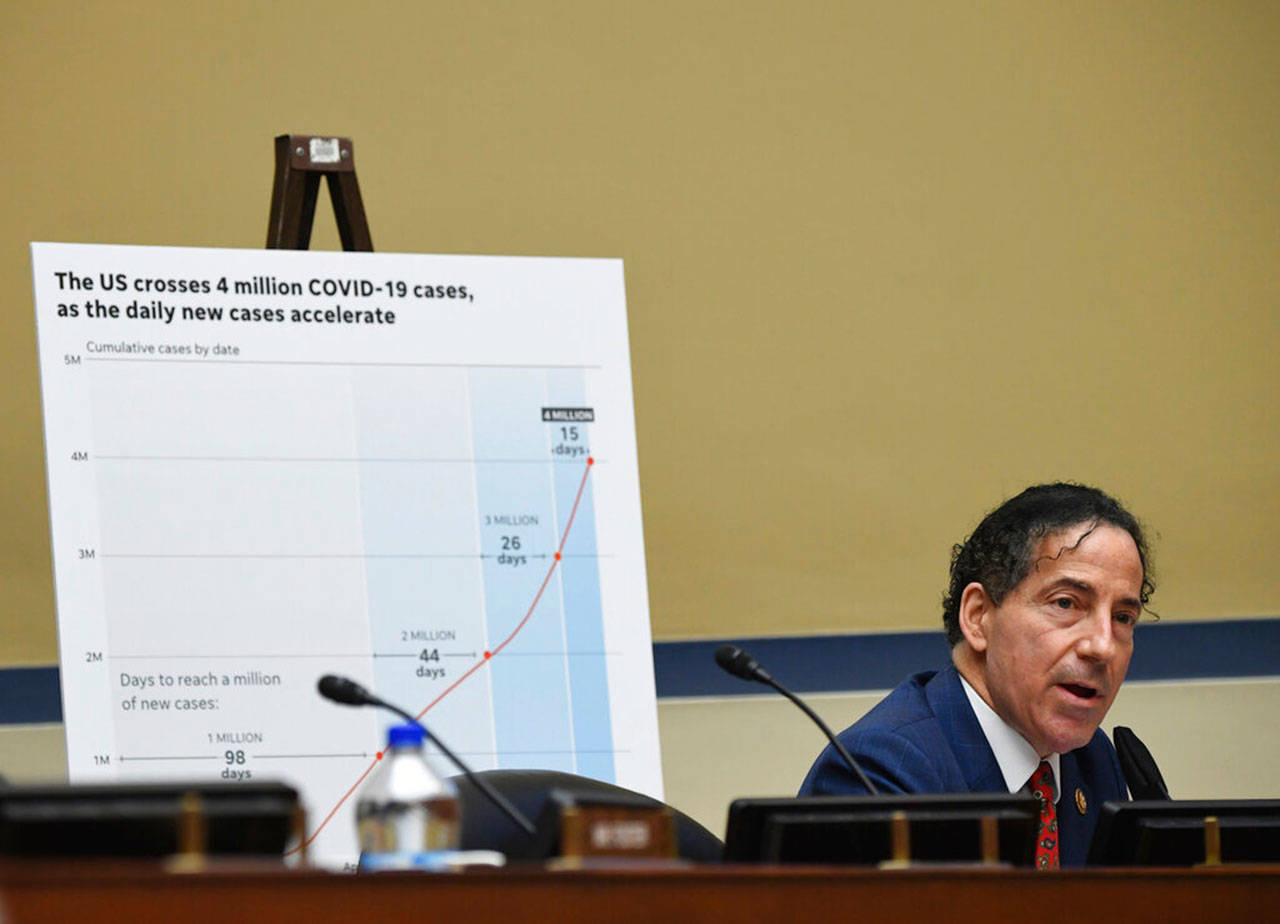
(1097, 639)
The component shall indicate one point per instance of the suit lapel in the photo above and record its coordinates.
(1075, 826)
(976, 760)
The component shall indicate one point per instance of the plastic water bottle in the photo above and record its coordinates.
(407, 816)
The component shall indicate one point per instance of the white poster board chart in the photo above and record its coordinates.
(416, 471)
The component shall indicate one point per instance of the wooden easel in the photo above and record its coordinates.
(301, 160)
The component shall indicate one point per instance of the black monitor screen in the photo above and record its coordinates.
(143, 819)
(1172, 833)
(857, 829)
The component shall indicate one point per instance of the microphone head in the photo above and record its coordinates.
(1140, 770)
(740, 663)
(345, 691)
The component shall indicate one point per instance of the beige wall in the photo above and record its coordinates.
(886, 262)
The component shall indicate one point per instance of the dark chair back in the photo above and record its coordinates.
(484, 827)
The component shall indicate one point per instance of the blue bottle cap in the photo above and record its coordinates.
(404, 736)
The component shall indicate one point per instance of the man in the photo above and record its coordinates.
(1040, 614)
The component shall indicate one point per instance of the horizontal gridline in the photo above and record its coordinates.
(366, 755)
(257, 655)
(336, 555)
(349, 363)
(342, 460)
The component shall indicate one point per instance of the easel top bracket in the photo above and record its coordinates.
(301, 160)
(323, 153)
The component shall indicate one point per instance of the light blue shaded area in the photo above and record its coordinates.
(530, 684)
(580, 580)
(422, 573)
(417, 509)
(417, 596)
(465, 494)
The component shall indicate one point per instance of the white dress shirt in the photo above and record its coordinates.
(1018, 760)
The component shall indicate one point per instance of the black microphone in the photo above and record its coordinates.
(738, 662)
(349, 693)
(1139, 767)
(346, 691)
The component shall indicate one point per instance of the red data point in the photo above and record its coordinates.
(590, 461)
(557, 556)
(379, 755)
(488, 655)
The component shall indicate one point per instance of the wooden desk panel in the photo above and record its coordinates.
(108, 892)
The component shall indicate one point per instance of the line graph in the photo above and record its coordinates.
(447, 512)
(488, 656)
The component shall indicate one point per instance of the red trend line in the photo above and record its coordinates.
(334, 810)
(488, 655)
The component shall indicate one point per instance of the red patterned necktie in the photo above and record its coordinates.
(1047, 837)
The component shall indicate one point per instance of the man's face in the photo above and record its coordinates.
(1053, 654)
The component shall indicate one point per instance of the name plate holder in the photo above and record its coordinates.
(606, 829)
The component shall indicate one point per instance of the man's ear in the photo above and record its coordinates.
(976, 609)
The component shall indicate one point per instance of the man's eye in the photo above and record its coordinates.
(1063, 603)
(1126, 619)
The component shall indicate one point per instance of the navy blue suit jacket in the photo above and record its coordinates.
(924, 738)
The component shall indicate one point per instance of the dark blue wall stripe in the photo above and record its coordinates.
(844, 663)
(1195, 650)
(831, 663)
(804, 664)
(29, 695)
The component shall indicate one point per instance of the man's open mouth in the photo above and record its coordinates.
(1079, 689)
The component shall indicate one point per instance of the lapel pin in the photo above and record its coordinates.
(1082, 804)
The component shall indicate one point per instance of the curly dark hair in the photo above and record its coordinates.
(998, 554)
